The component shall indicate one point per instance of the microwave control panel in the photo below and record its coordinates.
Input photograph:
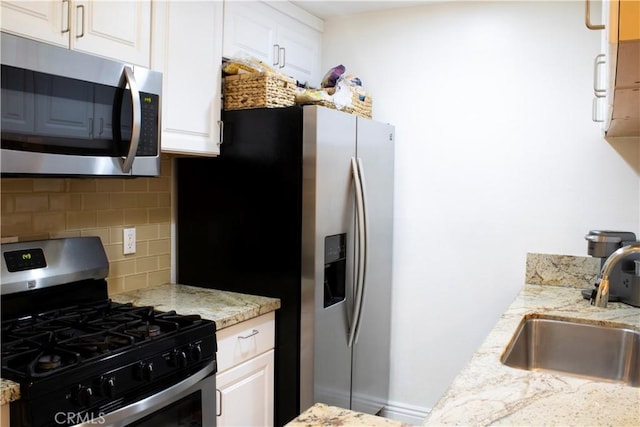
(148, 144)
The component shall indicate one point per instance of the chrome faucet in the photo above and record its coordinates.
(602, 295)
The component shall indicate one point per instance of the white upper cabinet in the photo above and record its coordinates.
(118, 30)
(46, 21)
(249, 29)
(279, 34)
(187, 49)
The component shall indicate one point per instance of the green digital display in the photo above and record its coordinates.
(26, 259)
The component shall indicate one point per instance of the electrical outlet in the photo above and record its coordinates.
(129, 241)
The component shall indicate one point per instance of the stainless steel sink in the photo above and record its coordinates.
(608, 353)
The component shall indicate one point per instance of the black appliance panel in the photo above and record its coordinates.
(239, 226)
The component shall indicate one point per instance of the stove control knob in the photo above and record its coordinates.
(179, 358)
(144, 371)
(195, 352)
(81, 395)
(107, 386)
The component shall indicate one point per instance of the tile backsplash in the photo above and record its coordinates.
(47, 208)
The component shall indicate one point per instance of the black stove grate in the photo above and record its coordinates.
(46, 343)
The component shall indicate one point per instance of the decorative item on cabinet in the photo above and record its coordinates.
(258, 90)
(116, 30)
(340, 91)
(250, 83)
(617, 70)
(246, 372)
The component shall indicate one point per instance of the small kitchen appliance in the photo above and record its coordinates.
(82, 359)
(65, 112)
(624, 283)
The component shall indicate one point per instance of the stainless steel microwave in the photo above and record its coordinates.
(70, 113)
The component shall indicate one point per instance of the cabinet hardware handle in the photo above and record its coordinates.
(221, 137)
(587, 17)
(65, 30)
(284, 57)
(599, 60)
(595, 111)
(253, 333)
(80, 7)
(218, 403)
(276, 54)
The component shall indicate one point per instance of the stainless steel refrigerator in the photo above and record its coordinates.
(299, 206)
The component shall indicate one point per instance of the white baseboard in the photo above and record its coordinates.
(399, 411)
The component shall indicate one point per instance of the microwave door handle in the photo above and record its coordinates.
(127, 162)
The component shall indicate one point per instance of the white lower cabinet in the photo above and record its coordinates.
(244, 382)
(241, 393)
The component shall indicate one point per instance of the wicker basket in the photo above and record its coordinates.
(258, 90)
(359, 107)
(362, 107)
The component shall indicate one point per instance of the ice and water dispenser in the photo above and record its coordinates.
(335, 268)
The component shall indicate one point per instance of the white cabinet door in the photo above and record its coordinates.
(254, 28)
(114, 29)
(245, 393)
(187, 49)
(118, 30)
(45, 21)
(300, 53)
(249, 29)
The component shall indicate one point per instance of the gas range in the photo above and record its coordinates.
(77, 355)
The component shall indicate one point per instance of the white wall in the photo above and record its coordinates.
(496, 156)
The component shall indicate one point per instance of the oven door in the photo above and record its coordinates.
(190, 403)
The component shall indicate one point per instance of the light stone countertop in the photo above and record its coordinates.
(9, 391)
(486, 392)
(324, 415)
(225, 308)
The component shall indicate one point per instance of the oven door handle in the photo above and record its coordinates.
(146, 406)
(129, 78)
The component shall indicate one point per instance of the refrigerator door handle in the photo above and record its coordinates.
(359, 262)
(365, 244)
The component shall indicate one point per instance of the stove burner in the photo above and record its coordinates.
(49, 362)
(145, 330)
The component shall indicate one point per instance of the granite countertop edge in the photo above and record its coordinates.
(486, 392)
(224, 307)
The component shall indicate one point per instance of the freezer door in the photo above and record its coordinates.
(370, 376)
(327, 256)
